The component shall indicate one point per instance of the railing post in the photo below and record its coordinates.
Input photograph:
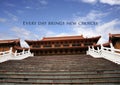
(98, 49)
(87, 51)
(111, 47)
(29, 50)
(10, 51)
(101, 47)
(23, 51)
(93, 48)
(88, 48)
(16, 53)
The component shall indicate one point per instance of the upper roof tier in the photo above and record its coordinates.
(64, 38)
(9, 41)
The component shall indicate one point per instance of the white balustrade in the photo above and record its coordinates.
(111, 53)
(9, 55)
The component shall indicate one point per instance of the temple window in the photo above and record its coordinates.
(57, 42)
(76, 44)
(36, 46)
(57, 45)
(87, 44)
(70, 42)
(52, 42)
(61, 42)
(66, 45)
(47, 46)
(49, 43)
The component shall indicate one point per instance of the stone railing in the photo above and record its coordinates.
(9, 55)
(111, 53)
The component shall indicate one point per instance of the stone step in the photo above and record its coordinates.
(60, 84)
(53, 68)
(61, 81)
(57, 75)
(49, 72)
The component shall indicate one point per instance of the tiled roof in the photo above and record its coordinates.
(9, 41)
(63, 38)
(114, 35)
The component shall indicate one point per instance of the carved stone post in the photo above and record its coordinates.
(88, 48)
(98, 49)
(88, 52)
(29, 50)
(101, 47)
(10, 51)
(16, 53)
(93, 48)
(23, 51)
(111, 47)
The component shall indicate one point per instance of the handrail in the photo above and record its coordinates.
(111, 53)
(9, 55)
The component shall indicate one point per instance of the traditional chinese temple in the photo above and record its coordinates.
(6, 44)
(62, 45)
(59, 45)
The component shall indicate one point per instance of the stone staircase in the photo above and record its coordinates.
(60, 70)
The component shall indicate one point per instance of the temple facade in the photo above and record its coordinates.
(62, 45)
(6, 44)
(115, 40)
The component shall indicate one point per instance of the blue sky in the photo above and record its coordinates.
(14, 12)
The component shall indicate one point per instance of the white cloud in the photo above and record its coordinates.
(28, 7)
(43, 2)
(44, 32)
(103, 28)
(110, 2)
(90, 1)
(3, 20)
(91, 16)
(85, 1)
(23, 33)
(36, 4)
(20, 11)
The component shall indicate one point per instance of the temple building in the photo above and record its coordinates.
(59, 45)
(62, 45)
(6, 44)
(115, 40)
